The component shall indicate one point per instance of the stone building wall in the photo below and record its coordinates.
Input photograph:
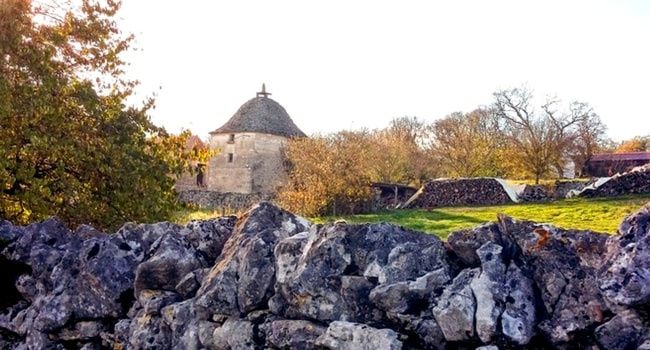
(246, 163)
(229, 203)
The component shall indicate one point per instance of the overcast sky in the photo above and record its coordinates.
(354, 64)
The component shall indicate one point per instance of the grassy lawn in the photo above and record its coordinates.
(596, 214)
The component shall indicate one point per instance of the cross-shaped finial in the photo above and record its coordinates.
(263, 92)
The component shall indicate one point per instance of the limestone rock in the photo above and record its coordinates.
(243, 278)
(209, 236)
(293, 334)
(334, 268)
(518, 318)
(170, 259)
(456, 308)
(341, 335)
(234, 334)
(273, 280)
(626, 271)
(622, 332)
(489, 290)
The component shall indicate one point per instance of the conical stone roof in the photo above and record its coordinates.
(261, 115)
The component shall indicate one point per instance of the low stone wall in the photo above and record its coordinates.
(233, 202)
(273, 280)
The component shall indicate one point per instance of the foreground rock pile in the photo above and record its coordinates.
(272, 280)
(461, 192)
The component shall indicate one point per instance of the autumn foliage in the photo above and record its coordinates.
(70, 145)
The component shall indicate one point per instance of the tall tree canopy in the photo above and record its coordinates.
(468, 144)
(544, 138)
(70, 145)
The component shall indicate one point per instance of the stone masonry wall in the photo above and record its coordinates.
(272, 280)
(246, 163)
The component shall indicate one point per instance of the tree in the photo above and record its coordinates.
(69, 144)
(468, 144)
(541, 139)
(328, 174)
(636, 144)
(589, 136)
(397, 153)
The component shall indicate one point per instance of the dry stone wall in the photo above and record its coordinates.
(273, 280)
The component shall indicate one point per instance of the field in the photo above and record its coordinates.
(596, 214)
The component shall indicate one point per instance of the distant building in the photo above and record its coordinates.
(608, 164)
(250, 157)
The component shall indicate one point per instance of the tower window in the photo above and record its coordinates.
(230, 157)
(231, 138)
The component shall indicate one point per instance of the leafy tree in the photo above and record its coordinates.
(69, 144)
(328, 174)
(589, 136)
(397, 153)
(636, 144)
(468, 144)
(542, 139)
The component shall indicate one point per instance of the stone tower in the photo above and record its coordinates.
(251, 148)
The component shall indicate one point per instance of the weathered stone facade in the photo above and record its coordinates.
(250, 157)
(247, 163)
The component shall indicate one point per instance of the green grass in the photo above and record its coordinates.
(596, 214)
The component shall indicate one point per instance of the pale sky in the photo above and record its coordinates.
(336, 65)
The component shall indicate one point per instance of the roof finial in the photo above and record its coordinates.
(263, 92)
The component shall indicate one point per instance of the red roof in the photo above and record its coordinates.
(630, 156)
(194, 141)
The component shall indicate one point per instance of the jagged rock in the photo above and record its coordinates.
(234, 334)
(83, 330)
(205, 331)
(564, 265)
(170, 260)
(293, 334)
(184, 320)
(622, 332)
(489, 290)
(279, 281)
(456, 308)
(120, 337)
(149, 332)
(419, 332)
(465, 243)
(626, 271)
(190, 283)
(152, 301)
(337, 265)
(518, 318)
(243, 278)
(406, 296)
(341, 335)
(208, 237)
